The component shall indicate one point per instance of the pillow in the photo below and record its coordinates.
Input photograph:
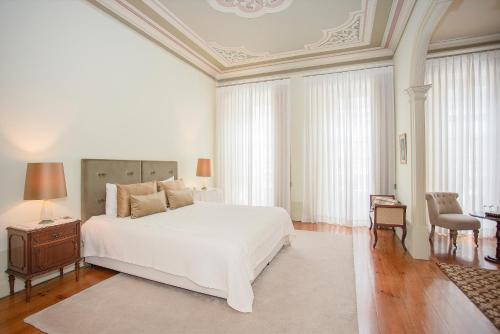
(380, 200)
(145, 205)
(175, 185)
(169, 180)
(124, 192)
(111, 199)
(180, 198)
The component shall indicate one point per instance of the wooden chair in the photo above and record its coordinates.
(387, 216)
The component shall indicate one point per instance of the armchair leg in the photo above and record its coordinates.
(403, 238)
(431, 235)
(476, 236)
(453, 237)
(375, 234)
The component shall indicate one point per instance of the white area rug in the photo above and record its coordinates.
(308, 288)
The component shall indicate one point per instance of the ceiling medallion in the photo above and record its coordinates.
(348, 33)
(250, 8)
(236, 55)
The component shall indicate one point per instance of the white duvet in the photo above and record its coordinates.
(216, 246)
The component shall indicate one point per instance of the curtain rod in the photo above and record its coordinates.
(348, 70)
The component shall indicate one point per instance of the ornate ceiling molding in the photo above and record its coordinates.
(235, 55)
(347, 34)
(250, 8)
(222, 62)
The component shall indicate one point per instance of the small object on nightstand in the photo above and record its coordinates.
(208, 195)
(35, 250)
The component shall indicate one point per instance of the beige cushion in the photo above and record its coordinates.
(454, 221)
(145, 205)
(125, 190)
(383, 201)
(175, 185)
(180, 198)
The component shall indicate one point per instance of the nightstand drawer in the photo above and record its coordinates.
(54, 233)
(55, 254)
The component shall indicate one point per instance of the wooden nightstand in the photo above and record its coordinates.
(36, 249)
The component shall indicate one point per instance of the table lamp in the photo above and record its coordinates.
(203, 170)
(44, 181)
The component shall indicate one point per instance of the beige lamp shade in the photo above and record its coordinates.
(44, 180)
(203, 168)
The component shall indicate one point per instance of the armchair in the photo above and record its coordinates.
(445, 211)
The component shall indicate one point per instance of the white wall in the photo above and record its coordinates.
(76, 83)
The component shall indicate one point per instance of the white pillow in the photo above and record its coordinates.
(111, 199)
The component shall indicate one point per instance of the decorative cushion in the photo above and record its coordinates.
(379, 200)
(455, 221)
(169, 180)
(125, 190)
(144, 205)
(111, 199)
(175, 185)
(180, 198)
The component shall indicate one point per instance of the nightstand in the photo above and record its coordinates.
(209, 195)
(36, 249)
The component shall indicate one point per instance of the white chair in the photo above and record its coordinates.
(445, 211)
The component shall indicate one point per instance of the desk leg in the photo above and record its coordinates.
(27, 286)
(12, 279)
(497, 258)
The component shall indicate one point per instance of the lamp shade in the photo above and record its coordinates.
(44, 180)
(203, 168)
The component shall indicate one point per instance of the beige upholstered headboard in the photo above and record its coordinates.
(97, 172)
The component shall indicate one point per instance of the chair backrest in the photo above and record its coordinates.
(442, 203)
(372, 197)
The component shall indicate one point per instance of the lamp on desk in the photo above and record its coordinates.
(44, 181)
(203, 170)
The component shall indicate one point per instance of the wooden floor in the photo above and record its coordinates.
(395, 293)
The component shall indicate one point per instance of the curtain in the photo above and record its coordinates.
(253, 144)
(349, 144)
(463, 130)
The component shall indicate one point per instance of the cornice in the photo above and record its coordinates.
(463, 42)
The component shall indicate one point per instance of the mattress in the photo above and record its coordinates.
(215, 246)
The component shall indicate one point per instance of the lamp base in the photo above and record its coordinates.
(45, 221)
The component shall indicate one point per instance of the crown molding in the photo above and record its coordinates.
(143, 24)
(219, 61)
(464, 42)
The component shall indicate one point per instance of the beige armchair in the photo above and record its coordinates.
(392, 215)
(445, 211)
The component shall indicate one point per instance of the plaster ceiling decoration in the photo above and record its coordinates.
(238, 38)
(235, 55)
(250, 8)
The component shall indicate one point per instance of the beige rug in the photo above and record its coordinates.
(308, 288)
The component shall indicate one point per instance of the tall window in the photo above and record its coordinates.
(349, 144)
(253, 150)
(462, 129)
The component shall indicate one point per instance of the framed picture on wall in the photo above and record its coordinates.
(402, 148)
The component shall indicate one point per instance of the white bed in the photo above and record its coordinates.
(210, 248)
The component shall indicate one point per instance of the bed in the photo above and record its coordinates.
(211, 248)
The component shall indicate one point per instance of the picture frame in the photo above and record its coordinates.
(403, 149)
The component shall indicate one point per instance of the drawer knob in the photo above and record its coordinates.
(56, 235)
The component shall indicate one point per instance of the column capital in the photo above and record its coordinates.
(418, 92)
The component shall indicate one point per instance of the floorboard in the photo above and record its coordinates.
(395, 293)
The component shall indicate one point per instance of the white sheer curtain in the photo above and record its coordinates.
(253, 144)
(463, 129)
(349, 144)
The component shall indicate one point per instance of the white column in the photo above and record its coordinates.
(418, 234)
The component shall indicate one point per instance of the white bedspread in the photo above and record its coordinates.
(215, 245)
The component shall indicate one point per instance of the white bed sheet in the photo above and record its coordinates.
(216, 246)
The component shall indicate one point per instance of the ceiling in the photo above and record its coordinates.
(468, 22)
(230, 39)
